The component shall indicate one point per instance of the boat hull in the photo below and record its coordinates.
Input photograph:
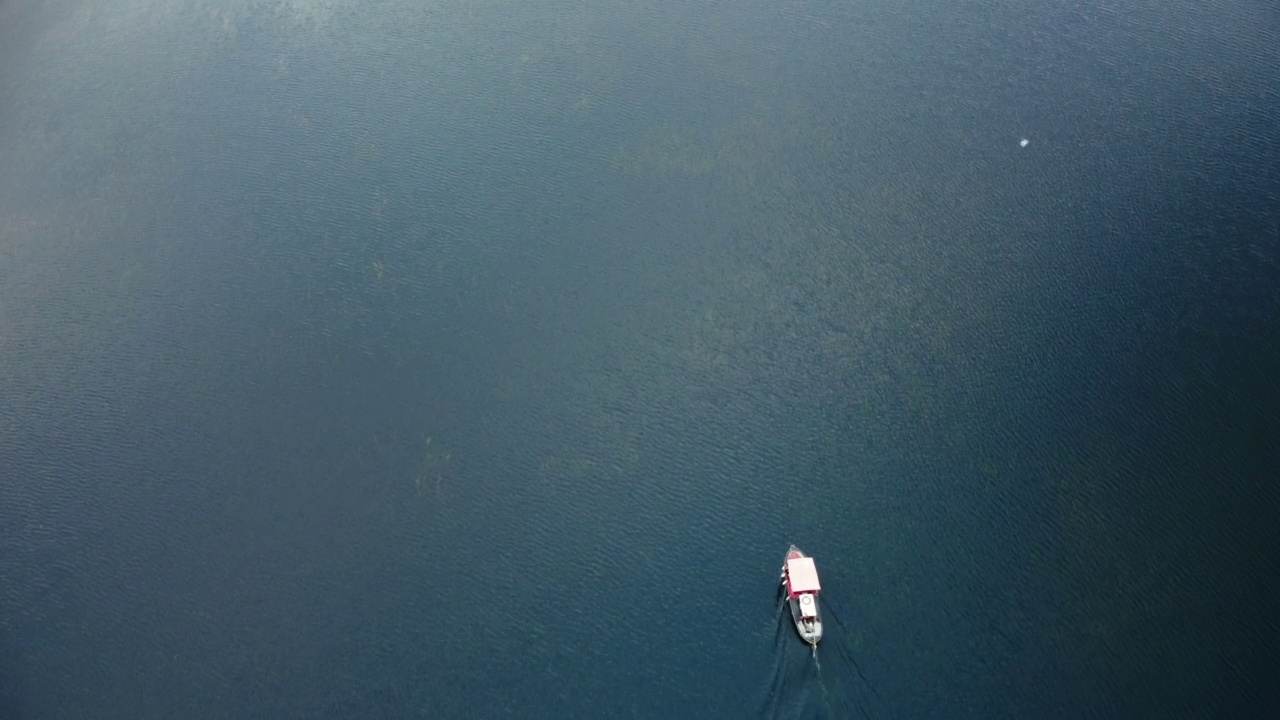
(806, 613)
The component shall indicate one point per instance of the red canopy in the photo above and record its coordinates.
(802, 576)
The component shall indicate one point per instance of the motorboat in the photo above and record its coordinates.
(800, 581)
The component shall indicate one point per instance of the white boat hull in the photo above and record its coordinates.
(802, 595)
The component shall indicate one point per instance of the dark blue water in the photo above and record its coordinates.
(481, 359)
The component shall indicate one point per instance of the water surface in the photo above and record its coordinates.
(482, 359)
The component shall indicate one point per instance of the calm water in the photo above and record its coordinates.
(482, 358)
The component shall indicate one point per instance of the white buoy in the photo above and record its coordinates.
(1024, 142)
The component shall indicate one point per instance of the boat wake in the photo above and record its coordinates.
(808, 688)
(778, 676)
(857, 692)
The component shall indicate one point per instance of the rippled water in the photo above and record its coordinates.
(482, 359)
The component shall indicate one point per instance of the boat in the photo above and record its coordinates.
(800, 580)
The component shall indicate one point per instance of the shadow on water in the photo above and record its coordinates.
(824, 683)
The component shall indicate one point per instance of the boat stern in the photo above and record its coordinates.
(808, 619)
(811, 633)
